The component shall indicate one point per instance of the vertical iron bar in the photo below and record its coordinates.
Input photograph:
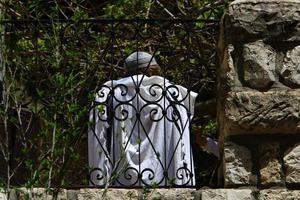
(189, 111)
(165, 117)
(112, 96)
(140, 176)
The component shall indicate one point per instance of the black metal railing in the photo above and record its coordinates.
(142, 133)
(139, 132)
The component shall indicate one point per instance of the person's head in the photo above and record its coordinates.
(141, 63)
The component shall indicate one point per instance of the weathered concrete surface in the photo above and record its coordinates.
(167, 194)
(253, 112)
(227, 194)
(129, 194)
(259, 65)
(269, 164)
(265, 18)
(103, 194)
(279, 194)
(161, 194)
(237, 165)
(38, 194)
(94, 194)
(292, 165)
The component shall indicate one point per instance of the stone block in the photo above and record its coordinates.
(39, 194)
(228, 72)
(13, 195)
(227, 194)
(289, 70)
(292, 165)
(3, 196)
(254, 112)
(279, 194)
(264, 18)
(109, 194)
(237, 166)
(259, 65)
(269, 164)
(72, 194)
(169, 194)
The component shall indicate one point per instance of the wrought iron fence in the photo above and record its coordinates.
(140, 126)
(148, 141)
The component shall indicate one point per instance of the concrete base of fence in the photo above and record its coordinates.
(154, 194)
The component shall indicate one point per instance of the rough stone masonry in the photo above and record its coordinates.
(259, 96)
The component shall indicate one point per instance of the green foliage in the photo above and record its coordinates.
(210, 128)
(126, 9)
(52, 82)
(52, 72)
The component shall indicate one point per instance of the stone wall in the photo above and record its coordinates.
(259, 96)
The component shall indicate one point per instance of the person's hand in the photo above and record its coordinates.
(200, 139)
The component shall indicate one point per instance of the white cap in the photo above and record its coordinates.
(139, 59)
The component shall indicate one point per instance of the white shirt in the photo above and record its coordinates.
(149, 136)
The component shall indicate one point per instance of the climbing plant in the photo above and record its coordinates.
(54, 56)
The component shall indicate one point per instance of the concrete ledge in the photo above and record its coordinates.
(154, 194)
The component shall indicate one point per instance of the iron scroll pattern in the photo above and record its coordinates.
(99, 47)
(126, 122)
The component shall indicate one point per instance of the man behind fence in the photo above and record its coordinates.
(141, 130)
